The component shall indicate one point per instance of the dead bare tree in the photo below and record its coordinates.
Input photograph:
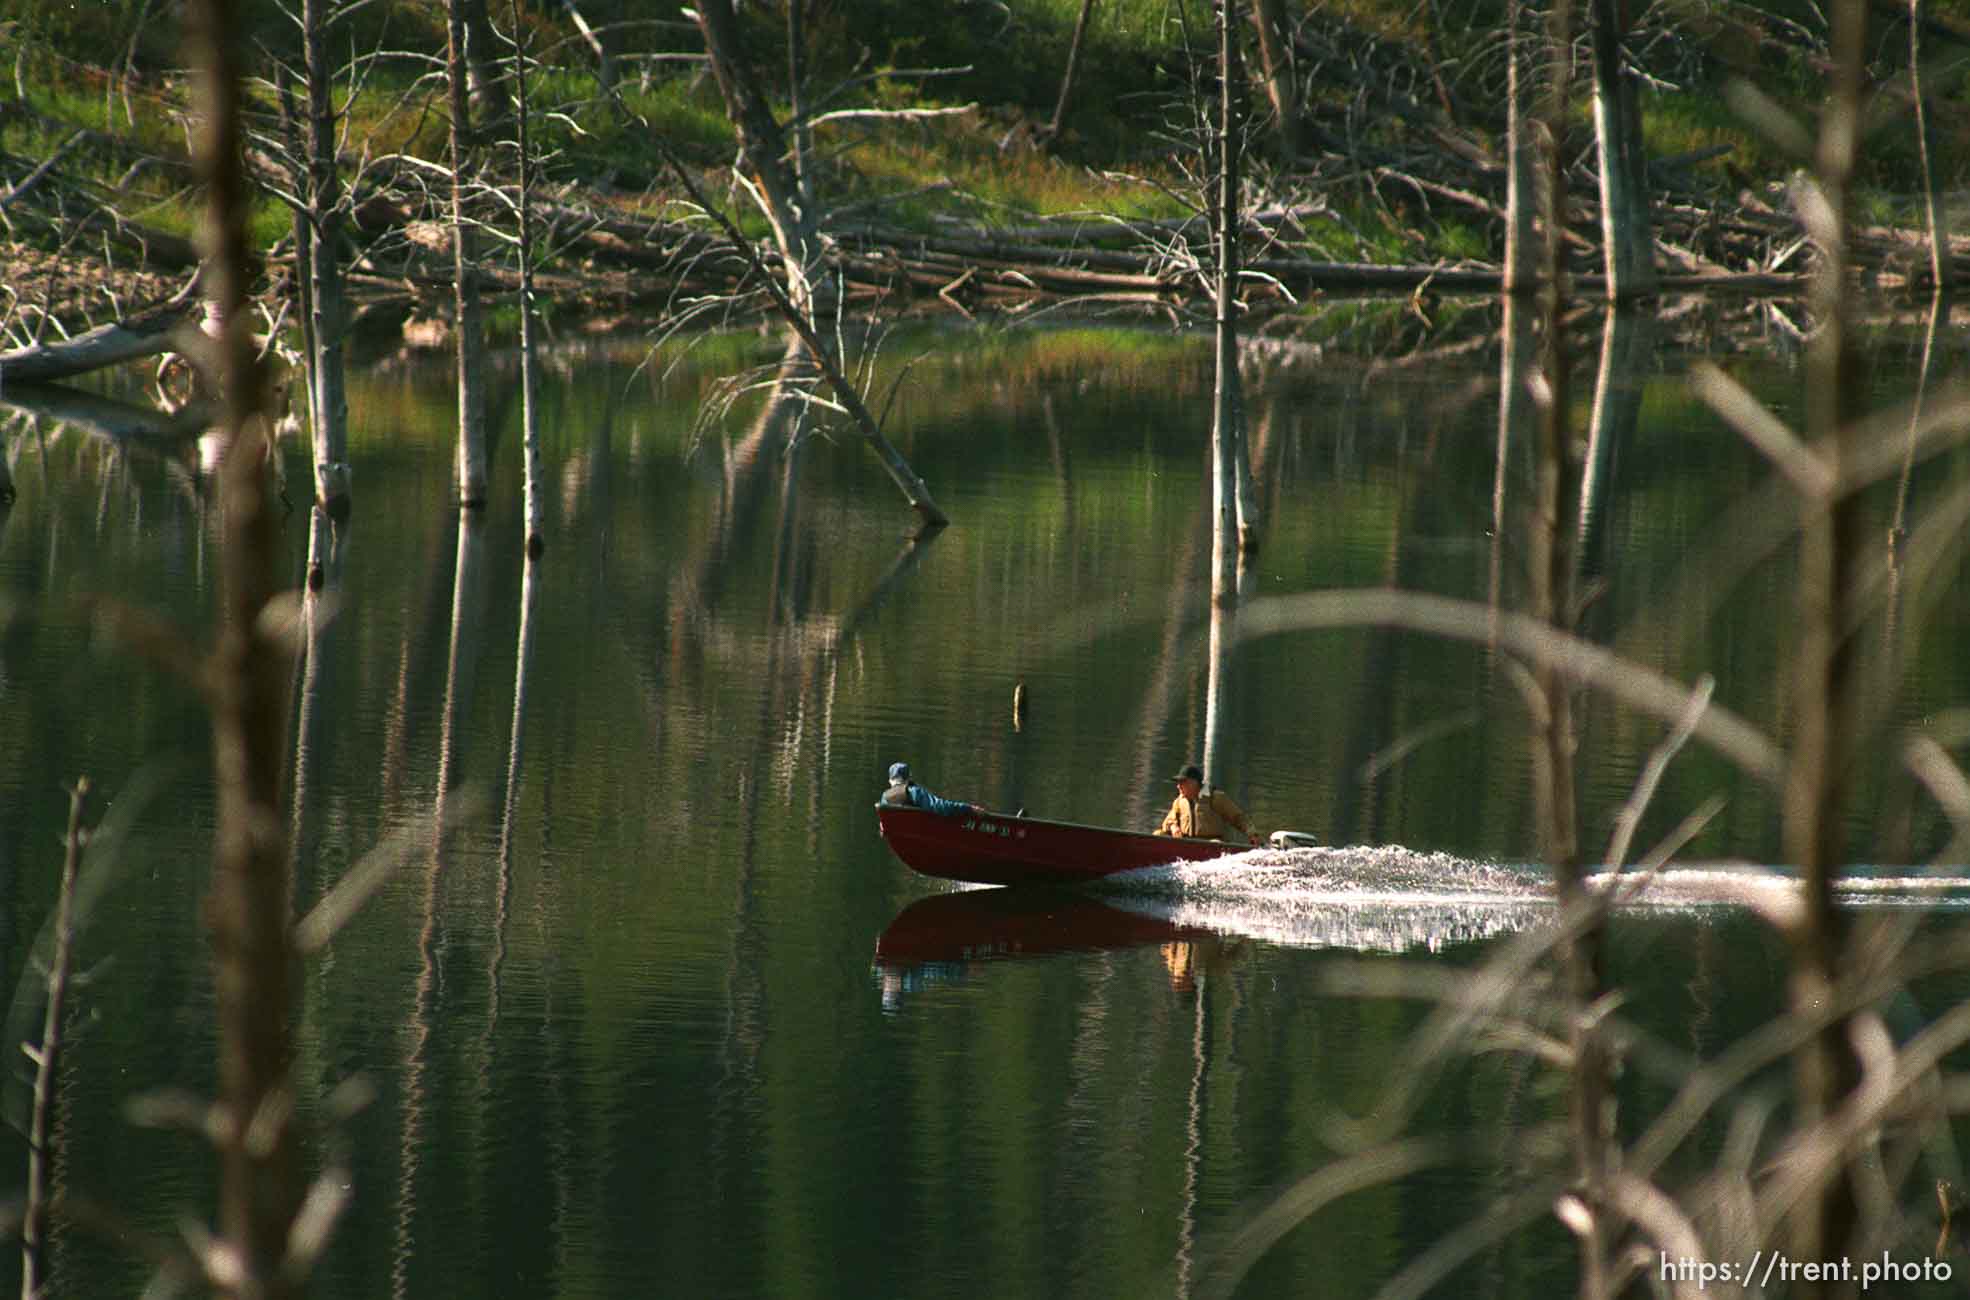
(47, 1053)
(1520, 205)
(1236, 503)
(328, 404)
(483, 83)
(1628, 247)
(802, 120)
(1586, 1210)
(1940, 261)
(251, 899)
(779, 182)
(469, 331)
(536, 533)
(775, 184)
(1073, 65)
(1279, 74)
(1826, 676)
(314, 193)
(821, 356)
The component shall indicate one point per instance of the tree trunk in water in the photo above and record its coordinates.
(536, 530)
(472, 487)
(1555, 507)
(516, 736)
(1279, 75)
(1073, 65)
(462, 656)
(794, 224)
(1827, 679)
(1628, 245)
(1521, 252)
(1234, 501)
(1616, 422)
(250, 907)
(1514, 421)
(328, 392)
(314, 700)
(1222, 614)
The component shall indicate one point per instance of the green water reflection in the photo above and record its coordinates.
(623, 1024)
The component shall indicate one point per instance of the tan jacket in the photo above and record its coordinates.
(1205, 819)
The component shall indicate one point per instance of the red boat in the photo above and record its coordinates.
(993, 849)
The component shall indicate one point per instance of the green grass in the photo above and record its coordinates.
(1684, 124)
(962, 155)
(1460, 239)
(982, 166)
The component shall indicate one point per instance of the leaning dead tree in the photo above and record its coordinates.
(774, 183)
(805, 294)
(1073, 65)
(821, 355)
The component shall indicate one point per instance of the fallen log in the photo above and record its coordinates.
(167, 327)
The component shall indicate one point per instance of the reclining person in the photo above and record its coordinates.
(906, 793)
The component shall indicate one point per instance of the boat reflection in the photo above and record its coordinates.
(941, 939)
(1385, 900)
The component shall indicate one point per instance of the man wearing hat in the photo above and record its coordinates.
(902, 790)
(1201, 816)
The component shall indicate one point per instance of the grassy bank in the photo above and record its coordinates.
(1384, 87)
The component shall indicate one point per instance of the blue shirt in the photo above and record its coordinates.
(918, 797)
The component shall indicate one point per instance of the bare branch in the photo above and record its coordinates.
(891, 114)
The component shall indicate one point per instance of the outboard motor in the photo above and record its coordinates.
(1293, 840)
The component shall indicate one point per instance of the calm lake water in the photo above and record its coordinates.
(628, 1028)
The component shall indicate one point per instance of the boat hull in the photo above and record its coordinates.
(991, 849)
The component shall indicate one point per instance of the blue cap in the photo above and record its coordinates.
(898, 772)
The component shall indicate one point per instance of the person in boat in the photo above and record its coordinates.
(902, 790)
(1196, 815)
